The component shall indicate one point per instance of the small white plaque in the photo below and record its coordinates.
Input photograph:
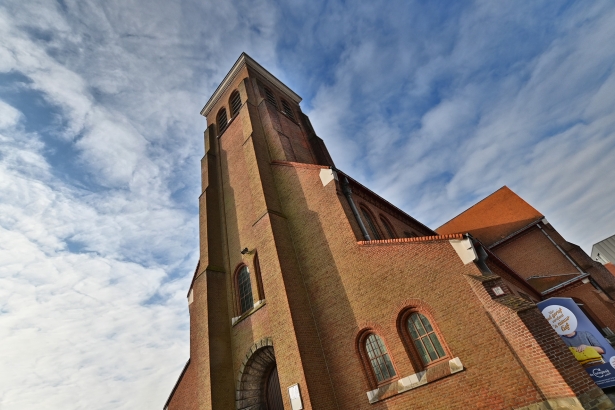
(498, 291)
(295, 397)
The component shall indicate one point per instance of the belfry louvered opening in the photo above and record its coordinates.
(221, 120)
(287, 110)
(270, 97)
(235, 103)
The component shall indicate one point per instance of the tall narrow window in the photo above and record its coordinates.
(244, 286)
(287, 110)
(222, 120)
(270, 97)
(370, 223)
(387, 227)
(235, 103)
(379, 358)
(425, 339)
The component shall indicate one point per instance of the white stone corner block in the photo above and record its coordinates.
(464, 249)
(327, 175)
(372, 396)
(455, 365)
(295, 397)
(234, 320)
(190, 297)
(544, 221)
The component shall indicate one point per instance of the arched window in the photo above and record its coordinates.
(424, 338)
(387, 227)
(270, 97)
(221, 120)
(287, 110)
(379, 358)
(370, 223)
(235, 103)
(244, 290)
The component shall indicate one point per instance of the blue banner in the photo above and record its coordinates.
(583, 339)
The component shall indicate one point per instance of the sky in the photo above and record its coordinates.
(432, 104)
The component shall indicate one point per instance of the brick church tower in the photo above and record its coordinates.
(312, 292)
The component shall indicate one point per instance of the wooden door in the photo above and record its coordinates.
(273, 392)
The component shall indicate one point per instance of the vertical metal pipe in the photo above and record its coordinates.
(348, 194)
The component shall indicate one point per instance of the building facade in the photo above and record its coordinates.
(312, 292)
(523, 238)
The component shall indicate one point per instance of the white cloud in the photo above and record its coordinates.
(433, 107)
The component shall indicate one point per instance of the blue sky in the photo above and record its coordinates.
(434, 105)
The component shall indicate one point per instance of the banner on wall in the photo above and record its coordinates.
(583, 339)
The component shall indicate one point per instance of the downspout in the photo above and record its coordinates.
(348, 194)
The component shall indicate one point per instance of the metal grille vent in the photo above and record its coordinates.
(270, 97)
(222, 121)
(235, 104)
(287, 110)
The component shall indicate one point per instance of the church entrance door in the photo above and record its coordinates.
(273, 393)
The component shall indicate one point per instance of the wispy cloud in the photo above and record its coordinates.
(434, 105)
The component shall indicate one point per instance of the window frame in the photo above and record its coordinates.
(366, 361)
(238, 295)
(409, 341)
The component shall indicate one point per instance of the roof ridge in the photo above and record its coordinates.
(431, 238)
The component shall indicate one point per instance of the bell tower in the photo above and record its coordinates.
(252, 329)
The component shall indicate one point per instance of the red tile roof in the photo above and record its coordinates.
(493, 218)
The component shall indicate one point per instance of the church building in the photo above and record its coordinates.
(313, 292)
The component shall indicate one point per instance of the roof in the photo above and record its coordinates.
(544, 283)
(494, 218)
(610, 267)
(241, 62)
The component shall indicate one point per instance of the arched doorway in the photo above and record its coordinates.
(273, 394)
(258, 384)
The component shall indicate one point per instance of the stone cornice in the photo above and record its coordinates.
(241, 62)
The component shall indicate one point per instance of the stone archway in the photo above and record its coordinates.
(254, 372)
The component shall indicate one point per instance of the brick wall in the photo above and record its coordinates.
(531, 253)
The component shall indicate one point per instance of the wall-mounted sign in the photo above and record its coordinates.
(583, 339)
(295, 397)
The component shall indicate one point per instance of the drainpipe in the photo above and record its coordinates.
(348, 194)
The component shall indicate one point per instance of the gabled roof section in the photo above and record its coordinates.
(494, 218)
(241, 62)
